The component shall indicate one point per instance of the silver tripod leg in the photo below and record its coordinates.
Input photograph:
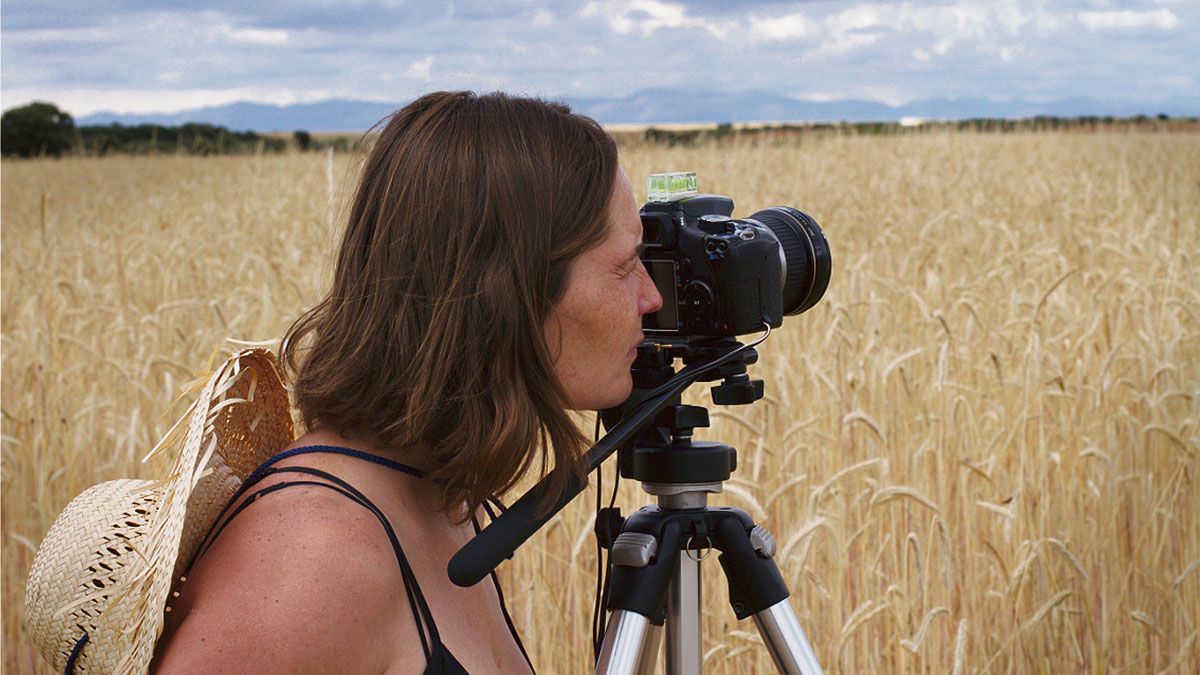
(630, 645)
(786, 641)
(684, 638)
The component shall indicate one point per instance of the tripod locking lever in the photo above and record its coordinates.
(634, 549)
(762, 541)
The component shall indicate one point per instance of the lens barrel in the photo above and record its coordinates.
(805, 252)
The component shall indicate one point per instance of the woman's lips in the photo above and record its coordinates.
(633, 350)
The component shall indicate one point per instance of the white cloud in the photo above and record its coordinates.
(1045, 22)
(1162, 19)
(786, 27)
(46, 36)
(473, 79)
(254, 36)
(646, 16)
(925, 31)
(839, 44)
(837, 34)
(849, 30)
(169, 76)
(889, 94)
(949, 24)
(858, 17)
(420, 70)
(542, 18)
(1010, 52)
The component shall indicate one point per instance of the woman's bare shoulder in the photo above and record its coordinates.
(303, 579)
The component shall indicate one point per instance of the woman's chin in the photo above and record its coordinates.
(623, 392)
(611, 400)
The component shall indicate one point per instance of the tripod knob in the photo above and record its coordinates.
(608, 525)
(683, 417)
(737, 390)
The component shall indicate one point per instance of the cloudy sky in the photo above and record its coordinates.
(158, 56)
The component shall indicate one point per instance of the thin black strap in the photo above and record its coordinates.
(265, 469)
(349, 452)
(410, 577)
(69, 669)
(423, 615)
(412, 588)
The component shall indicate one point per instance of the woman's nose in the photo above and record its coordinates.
(652, 300)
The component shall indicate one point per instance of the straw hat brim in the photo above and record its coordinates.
(110, 560)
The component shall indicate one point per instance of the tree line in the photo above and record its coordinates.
(727, 131)
(40, 129)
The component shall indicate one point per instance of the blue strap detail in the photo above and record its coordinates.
(69, 669)
(338, 450)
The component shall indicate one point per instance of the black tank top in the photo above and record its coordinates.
(438, 658)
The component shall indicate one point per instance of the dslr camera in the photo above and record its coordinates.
(721, 276)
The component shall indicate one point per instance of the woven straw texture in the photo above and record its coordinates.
(109, 562)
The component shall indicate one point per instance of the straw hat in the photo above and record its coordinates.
(97, 593)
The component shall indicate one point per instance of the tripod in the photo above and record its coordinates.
(656, 552)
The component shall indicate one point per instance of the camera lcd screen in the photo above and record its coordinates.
(667, 318)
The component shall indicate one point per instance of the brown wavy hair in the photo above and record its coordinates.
(468, 214)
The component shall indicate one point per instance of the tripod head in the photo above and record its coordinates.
(663, 456)
(652, 428)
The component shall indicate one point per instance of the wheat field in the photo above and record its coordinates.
(978, 453)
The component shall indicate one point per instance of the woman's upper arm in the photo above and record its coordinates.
(303, 580)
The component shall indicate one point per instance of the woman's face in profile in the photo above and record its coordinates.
(599, 318)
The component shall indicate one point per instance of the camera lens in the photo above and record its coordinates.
(805, 253)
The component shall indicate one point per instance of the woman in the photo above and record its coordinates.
(488, 283)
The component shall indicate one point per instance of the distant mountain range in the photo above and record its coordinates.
(660, 106)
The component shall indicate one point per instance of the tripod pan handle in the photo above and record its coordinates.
(498, 540)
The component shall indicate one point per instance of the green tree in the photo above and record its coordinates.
(303, 140)
(39, 128)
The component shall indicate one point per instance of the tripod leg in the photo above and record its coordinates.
(785, 640)
(684, 640)
(630, 645)
(756, 588)
(649, 661)
(641, 577)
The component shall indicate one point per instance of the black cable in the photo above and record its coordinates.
(603, 561)
(608, 564)
(600, 564)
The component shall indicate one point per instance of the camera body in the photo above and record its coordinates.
(718, 276)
